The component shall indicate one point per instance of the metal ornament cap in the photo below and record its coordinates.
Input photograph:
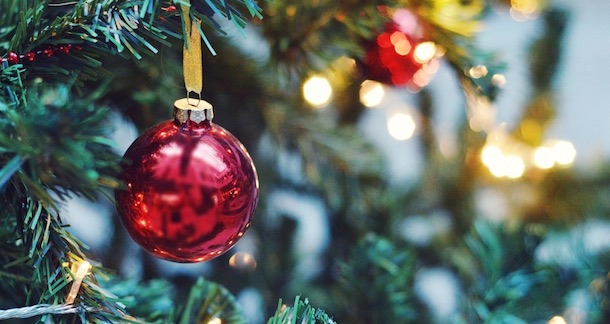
(191, 187)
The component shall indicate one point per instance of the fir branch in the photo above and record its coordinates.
(98, 28)
(208, 301)
(301, 312)
(381, 274)
(498, 264)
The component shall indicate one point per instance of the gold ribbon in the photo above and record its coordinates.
(192, 58)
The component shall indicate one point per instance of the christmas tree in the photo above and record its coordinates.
(391, 186)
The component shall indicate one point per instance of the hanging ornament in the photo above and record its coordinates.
(191, 186)
(397, 56)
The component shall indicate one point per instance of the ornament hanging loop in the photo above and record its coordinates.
(188, 99)
(192, 58)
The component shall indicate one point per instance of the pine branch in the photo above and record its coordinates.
(301, 312)
(208, 302)
(498, 265)
(376, 280)
(88, 30)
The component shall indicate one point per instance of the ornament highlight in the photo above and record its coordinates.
(191, 187)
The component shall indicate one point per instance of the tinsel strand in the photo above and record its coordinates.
(42, 309)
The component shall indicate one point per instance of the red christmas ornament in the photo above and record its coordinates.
(390, 57)
(191, 187)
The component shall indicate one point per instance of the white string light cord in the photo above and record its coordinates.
(42, 309)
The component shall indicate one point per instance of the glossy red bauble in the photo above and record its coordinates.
(191, 189)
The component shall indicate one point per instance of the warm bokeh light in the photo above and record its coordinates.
(371, 93)
(557, 320)
(515, 167)
(478, 71)
(424, 52)
(215, 320)
(525, 6)
(522, 10)
(564, 152)
(543, 157)
(431, 66)
(401, 43)
(401, 126)
(491, 155)
(500, 164)
(317, 91)
(499, 80)
(421, 78)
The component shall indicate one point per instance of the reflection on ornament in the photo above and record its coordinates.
(401, 126)
(191, 188)
(371, 93)
(317, 91)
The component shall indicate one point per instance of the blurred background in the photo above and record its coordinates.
(407, 195)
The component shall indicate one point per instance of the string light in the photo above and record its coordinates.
(401, 126)
(81, 272)
(371, 93)
(215, 320)
(317, 91)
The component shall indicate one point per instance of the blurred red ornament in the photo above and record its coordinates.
(390, 57)
(192, 188)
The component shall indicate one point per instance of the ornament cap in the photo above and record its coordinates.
(196, 110)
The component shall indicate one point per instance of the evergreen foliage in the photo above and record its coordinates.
(65, 66)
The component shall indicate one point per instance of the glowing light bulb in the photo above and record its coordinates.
(543, 157)
(424, 52)
(564, 152)
(401, 126)
(215, 320)
(371, 93)
(317, 91)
